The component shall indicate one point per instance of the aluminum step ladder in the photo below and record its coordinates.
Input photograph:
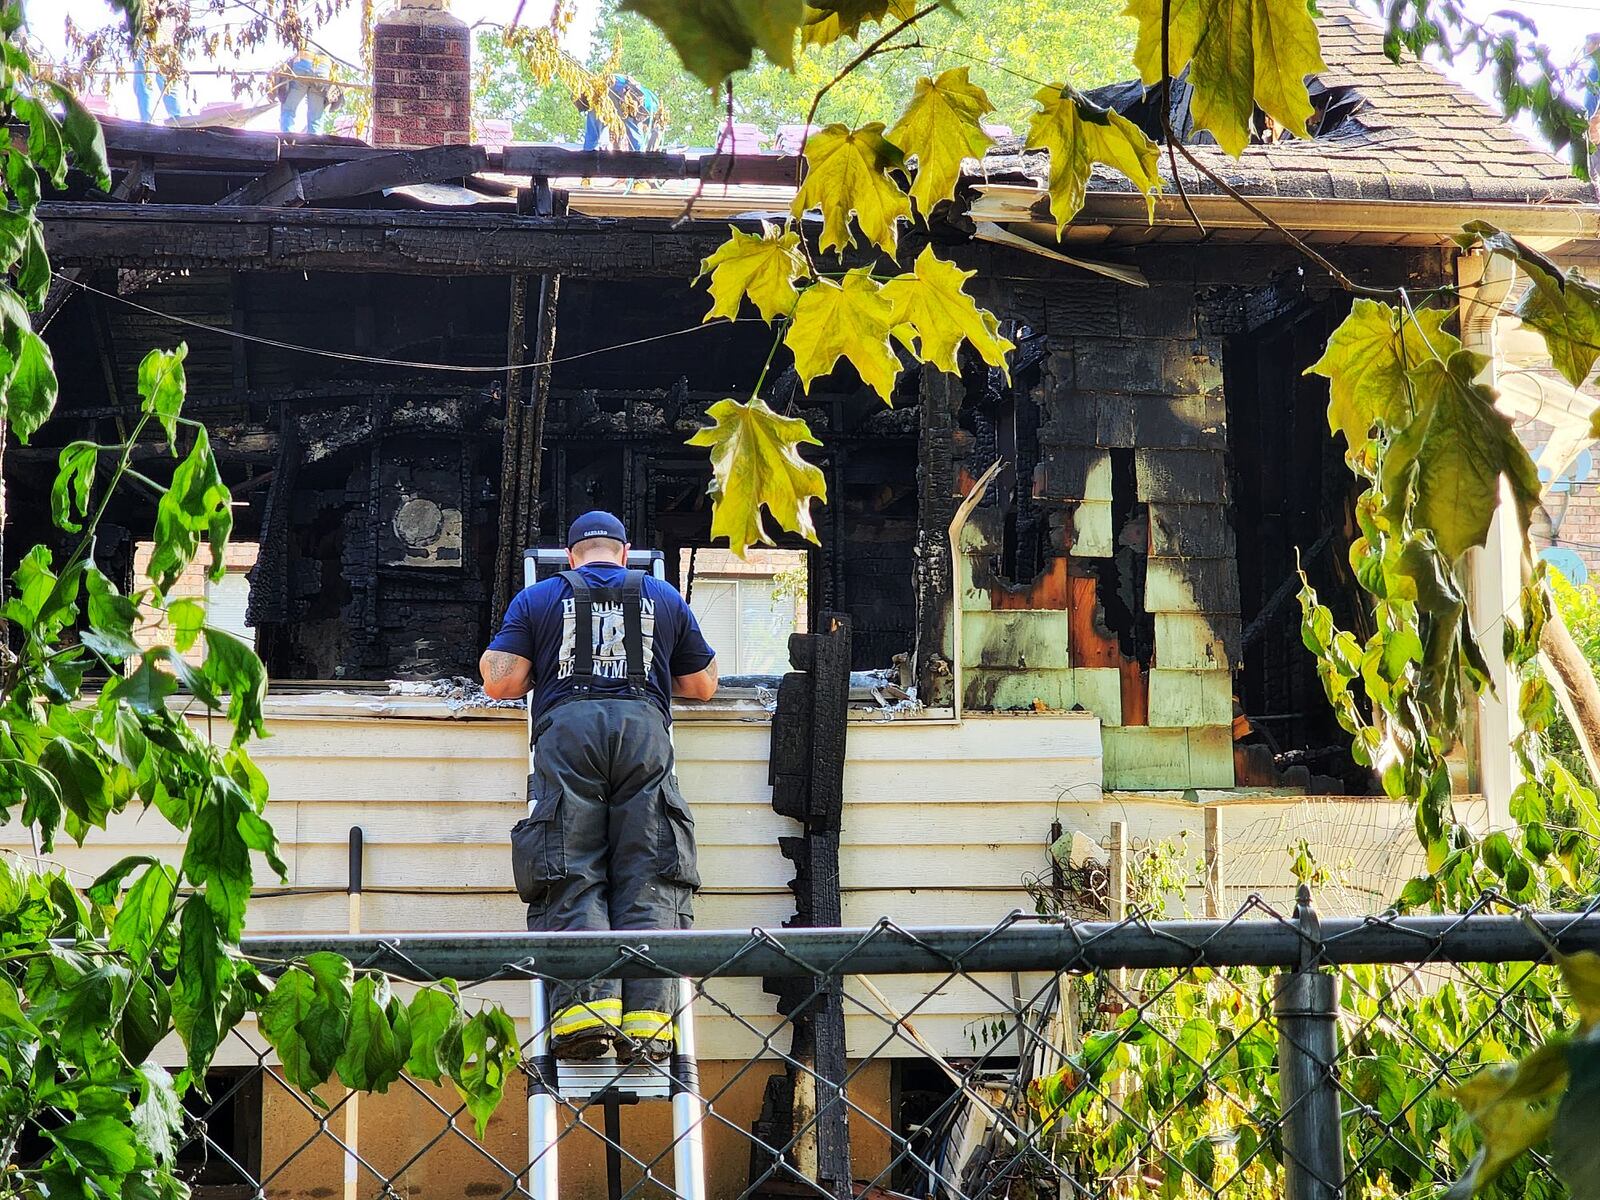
(608, 1082)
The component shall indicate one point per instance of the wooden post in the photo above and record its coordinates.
(807, 776)
(1117, 889)
(1216, 893)
(507, 560)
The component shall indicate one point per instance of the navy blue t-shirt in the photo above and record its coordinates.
(539, 627)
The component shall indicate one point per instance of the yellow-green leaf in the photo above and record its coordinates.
(1581, 971)
(1078, 134)
(1511, 1106)
(1244, 53)
(1561, 305)
(847, 172)
(942, 126)
(849, 319)
(1453, 452)
(715, 38)
(1366, 360)
(755, 461)
(932, 314)
(829, 20)
(763, 266)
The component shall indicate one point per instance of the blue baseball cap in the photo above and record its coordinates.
(596, 524)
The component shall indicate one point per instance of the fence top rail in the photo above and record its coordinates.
(1018, 943)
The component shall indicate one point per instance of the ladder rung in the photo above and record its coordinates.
(637, 1081)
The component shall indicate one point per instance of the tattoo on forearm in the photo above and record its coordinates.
(711, 669)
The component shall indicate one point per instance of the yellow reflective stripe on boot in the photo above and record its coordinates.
(647, 1023)
(575, 1018)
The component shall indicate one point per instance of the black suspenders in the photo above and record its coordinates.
(631, 595)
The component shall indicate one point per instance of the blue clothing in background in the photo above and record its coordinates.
(144, 95)
(304, 84)
(539, 627)
(639, 108)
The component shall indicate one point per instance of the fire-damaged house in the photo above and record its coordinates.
(416, 363)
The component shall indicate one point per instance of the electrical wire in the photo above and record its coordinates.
(371, 360)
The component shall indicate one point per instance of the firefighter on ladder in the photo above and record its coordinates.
(608, 842)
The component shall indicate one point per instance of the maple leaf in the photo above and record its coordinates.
(847, 171)
(755, 461)
(932, 314)
(831, 20)
(1561, 305)
(1366, 360)
(1079, 134)
(1453, 452)
(1240, 54)
(763, 266)
(849, 319)
(942, 126)
(715, 38)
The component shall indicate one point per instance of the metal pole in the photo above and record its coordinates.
(352, 1106)
(1307, 1007)
(543, 1173)
(688, 1110)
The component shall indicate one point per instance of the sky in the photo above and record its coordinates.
(1562, 24)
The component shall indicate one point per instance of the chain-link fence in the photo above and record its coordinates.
(1270, 1053)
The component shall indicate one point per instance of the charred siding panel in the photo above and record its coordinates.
(1133, 448)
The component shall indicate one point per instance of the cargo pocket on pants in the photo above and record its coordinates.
(538, 853)
(676, 856)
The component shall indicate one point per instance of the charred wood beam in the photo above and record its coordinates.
(507, 561)
(412, 243)
(134, 184)
(226, 146)
(283, 185)
(555, 162)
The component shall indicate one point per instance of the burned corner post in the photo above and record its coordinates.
(1306, 1004)
(807, 776)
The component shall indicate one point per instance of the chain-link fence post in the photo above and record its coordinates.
(1306, 1005)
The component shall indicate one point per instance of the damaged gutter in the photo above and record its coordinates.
(1024, 206)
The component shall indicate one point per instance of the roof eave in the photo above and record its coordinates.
(1551, 223)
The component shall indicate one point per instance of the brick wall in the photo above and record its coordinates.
(421, 77)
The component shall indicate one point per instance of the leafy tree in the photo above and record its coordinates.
(1009, 53)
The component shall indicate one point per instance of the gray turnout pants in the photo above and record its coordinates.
(608, 842)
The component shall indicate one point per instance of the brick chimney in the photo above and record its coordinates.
(421, 76)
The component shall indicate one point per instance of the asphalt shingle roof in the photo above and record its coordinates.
(1418, 136)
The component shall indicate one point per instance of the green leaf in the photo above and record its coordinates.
(942, 127)
(217, 856)
(145, 689)
(847, 172)
(186, 616)
(755, 461)
(1366, 360)
(82, 132)
(200, 989)
(45, 145)
(197, 502)
(110, 612)
(30, 392)
(488, 1061)
(80, 781)
(1244, 53)
(435, 1016)
(715, 38)
(1453, 454)
(306, 1017)
(162, 388)
(1562, 305)
(142, 919)
(1078, 134)
(104, 890)
(33, 272)
(379, 1038)
(762, 266)
(231, 666)
(158, 1117)
(932, 315)
(74, 479)
(849, 319)
(103, 1147)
